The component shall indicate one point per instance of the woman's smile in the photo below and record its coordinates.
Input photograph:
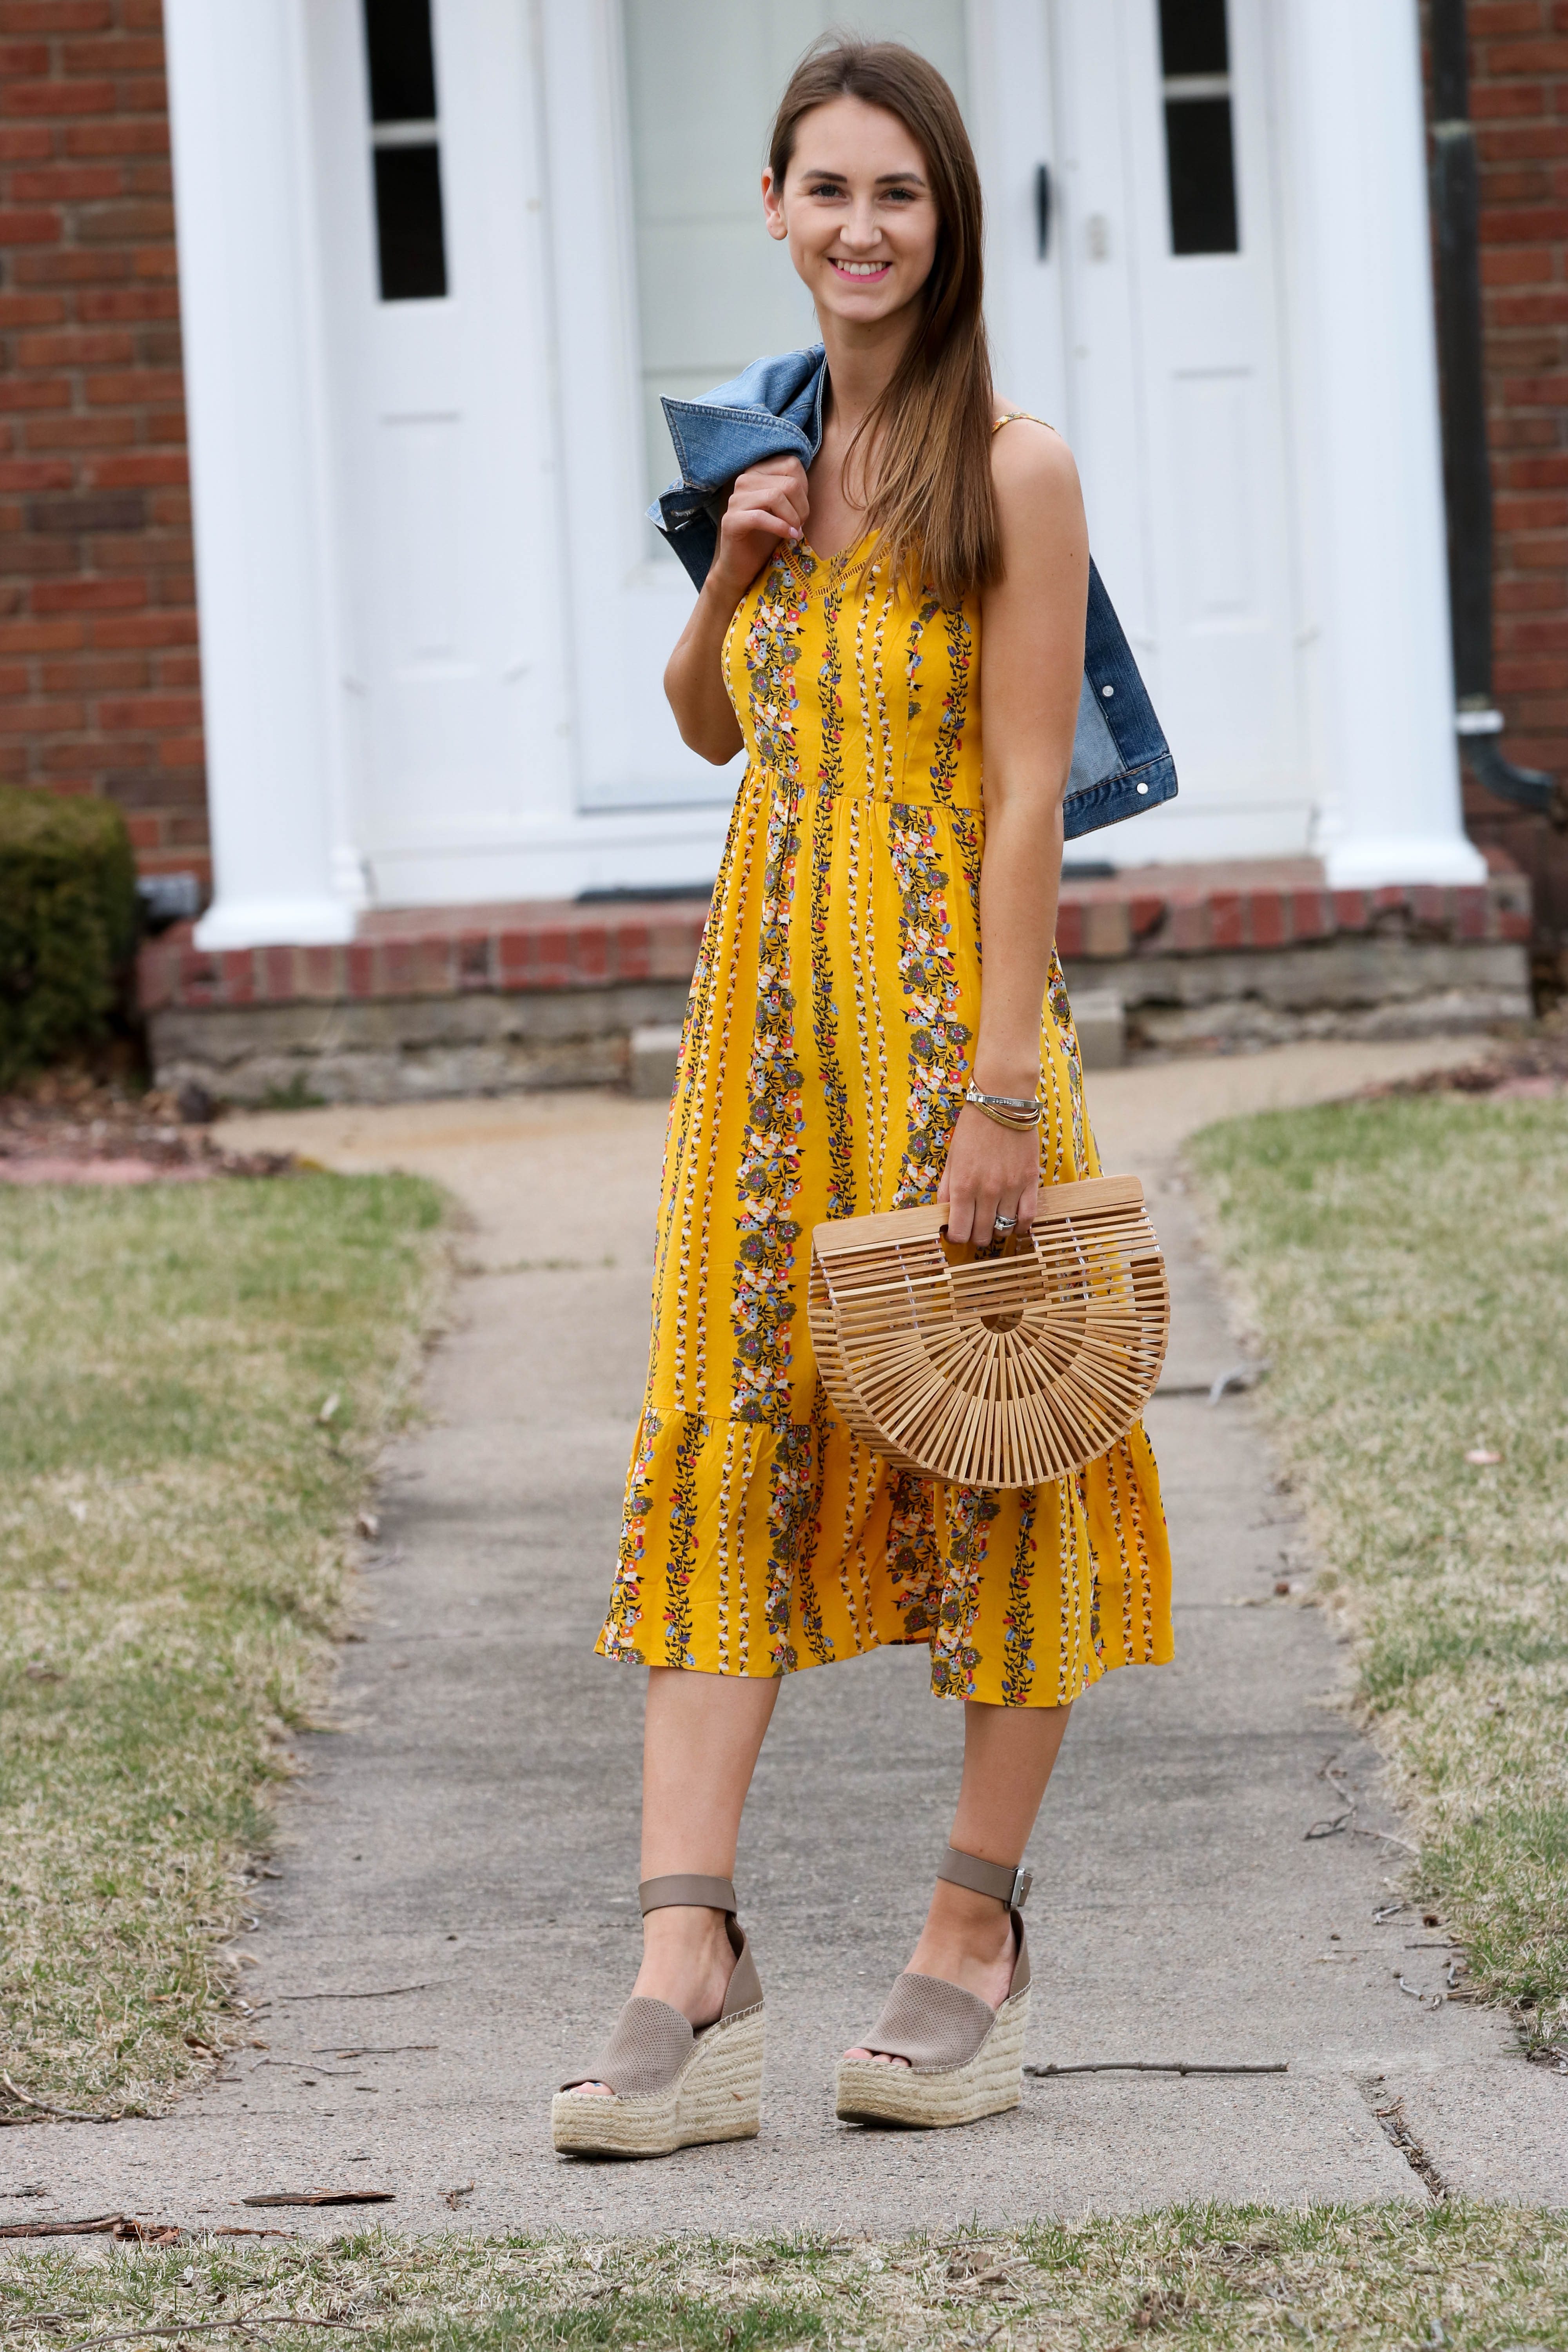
(862, 269)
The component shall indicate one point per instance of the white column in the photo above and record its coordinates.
(1364, 365)
(258, 461)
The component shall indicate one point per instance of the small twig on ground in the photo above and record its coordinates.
(62, 2114)
(1347, 1819)
(371, 2049)
(95, 2225)
(1347, 1797)
(1157, 2066)
(326, 2197)
(123, 2227)
(215, 2327)
(305, 2066)
(383, 1992)
(1388, 1839)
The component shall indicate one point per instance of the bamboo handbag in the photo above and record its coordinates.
(1009, 1371)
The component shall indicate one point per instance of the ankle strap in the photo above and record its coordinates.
(1009, 1882)
(685, 1889)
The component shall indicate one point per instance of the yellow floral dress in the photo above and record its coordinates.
(827, 1051)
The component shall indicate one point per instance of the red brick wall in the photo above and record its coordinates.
(1519, 103)
(98, 675)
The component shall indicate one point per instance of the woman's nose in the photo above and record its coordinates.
(860, 228)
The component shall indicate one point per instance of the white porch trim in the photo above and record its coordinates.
(1348, 80)
(248, 274)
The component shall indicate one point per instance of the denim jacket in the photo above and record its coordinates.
(1121, 764)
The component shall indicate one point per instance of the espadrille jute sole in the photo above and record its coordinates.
(987, 2084)
(715, 2095)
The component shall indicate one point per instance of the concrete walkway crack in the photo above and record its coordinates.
(1389, 2114)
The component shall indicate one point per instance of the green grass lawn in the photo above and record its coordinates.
(175, 1517)
(1405, 1264)
(1466, 2277)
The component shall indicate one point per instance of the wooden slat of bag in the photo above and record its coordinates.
(912, 1364)
(1045, 1449)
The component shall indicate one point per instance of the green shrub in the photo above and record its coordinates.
(67, 922)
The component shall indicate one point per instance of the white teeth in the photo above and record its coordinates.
(860, 268)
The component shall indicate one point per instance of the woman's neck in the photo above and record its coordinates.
(861, 363)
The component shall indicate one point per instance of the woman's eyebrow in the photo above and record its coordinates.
(885, 180)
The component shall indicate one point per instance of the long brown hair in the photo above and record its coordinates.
(932, 514)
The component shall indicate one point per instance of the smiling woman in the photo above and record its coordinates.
(841, 1057)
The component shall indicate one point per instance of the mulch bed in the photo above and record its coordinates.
(1523, 1068)
(71, 1128)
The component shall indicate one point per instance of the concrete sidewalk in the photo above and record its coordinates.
(455, 1918)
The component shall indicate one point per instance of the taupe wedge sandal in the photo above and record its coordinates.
(672, 2085)
(965, 2058)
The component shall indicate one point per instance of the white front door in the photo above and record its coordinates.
(668, 284)
(1176, 402)
(436, 284)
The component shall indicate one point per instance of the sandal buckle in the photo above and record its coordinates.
(1022, 1881)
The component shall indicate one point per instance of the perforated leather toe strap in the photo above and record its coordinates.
(930, 2022)
(647, 2047)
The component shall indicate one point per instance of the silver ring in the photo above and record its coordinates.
(1003, 1224)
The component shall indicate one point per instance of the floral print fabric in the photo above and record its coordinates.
(825, 1055)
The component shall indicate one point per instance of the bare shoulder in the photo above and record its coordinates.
(1032, 469)
(1039, 506)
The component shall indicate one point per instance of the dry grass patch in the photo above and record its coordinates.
(1405, 1263)
(1463, 2276)
(173, 1536)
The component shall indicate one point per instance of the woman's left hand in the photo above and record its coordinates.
(992, 1170)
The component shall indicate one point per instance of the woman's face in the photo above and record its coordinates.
(857, 211)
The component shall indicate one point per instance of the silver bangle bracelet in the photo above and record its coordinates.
(1000, 1102)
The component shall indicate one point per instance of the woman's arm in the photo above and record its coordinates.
(1031, 673)
(767, 503)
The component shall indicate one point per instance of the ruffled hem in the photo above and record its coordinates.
(758, 1550)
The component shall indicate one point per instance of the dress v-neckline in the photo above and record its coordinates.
(804, 547)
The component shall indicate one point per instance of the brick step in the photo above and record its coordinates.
(428, 1001)
(553, 944)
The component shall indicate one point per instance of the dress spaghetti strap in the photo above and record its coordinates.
(1029, 418)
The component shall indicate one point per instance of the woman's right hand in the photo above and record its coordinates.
(767, 503)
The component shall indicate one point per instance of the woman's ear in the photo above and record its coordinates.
(772, 206)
